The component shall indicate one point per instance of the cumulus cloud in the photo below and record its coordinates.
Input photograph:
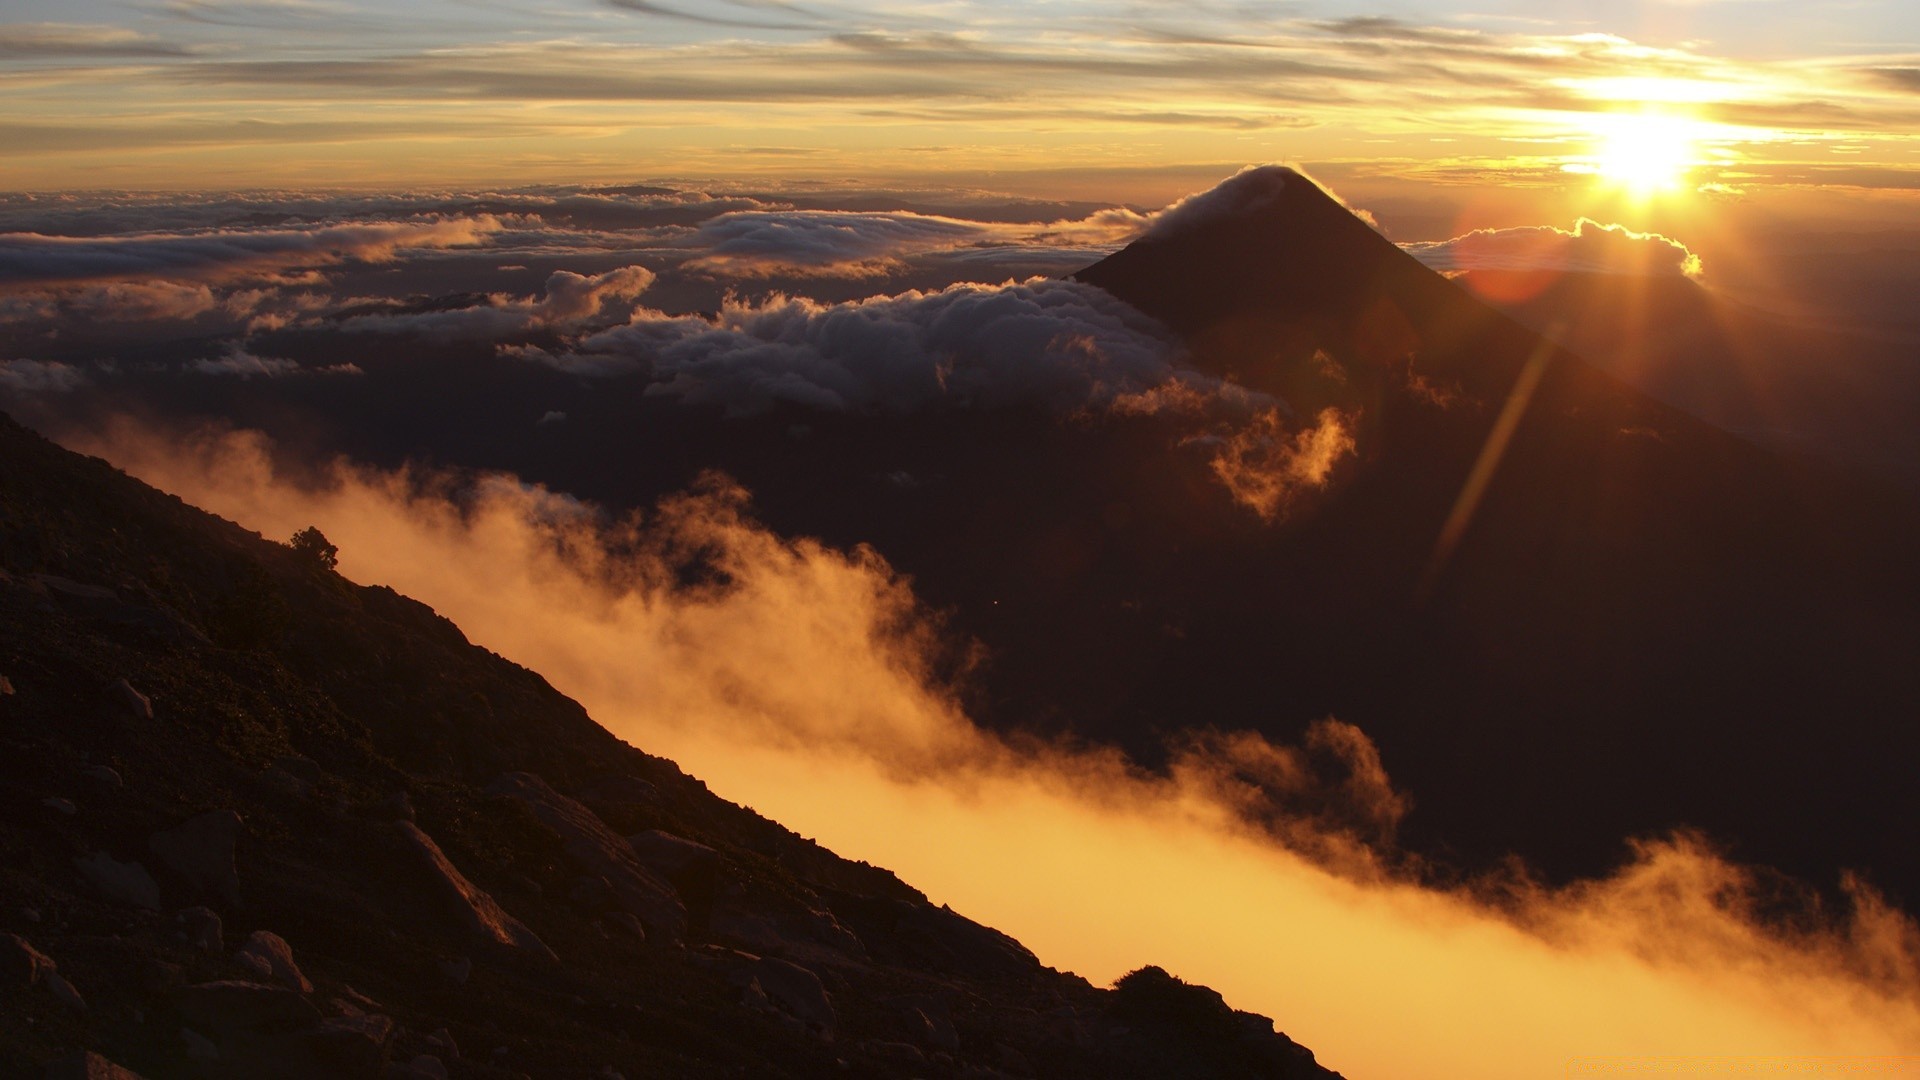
(569, 300)
(797, 679)
(1269, 468)
(1590, 248)
(40, 376)
(225, 255)
(243, 364)
(1054, 343)
(856, 244)
(826, 242)
(1247, 191)
(142, 301)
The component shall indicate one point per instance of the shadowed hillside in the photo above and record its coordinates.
(262, 820)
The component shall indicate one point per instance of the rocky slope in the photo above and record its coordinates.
(259, 820)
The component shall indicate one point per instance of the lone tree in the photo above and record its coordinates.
(311, 542)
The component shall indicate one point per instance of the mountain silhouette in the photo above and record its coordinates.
(264, 821)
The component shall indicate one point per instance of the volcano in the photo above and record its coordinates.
(1567, 613)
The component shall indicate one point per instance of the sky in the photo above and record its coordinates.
(1128, 101)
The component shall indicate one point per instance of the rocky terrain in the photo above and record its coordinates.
(259, 820)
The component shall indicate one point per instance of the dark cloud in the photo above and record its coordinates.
(70, 41)
(569, 299)
(40, 376)
(749, 16)
(32, 257)
(839, 243)
(1054, 343)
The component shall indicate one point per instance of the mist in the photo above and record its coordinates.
(797, 679)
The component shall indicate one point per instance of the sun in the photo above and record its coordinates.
(1644, 154)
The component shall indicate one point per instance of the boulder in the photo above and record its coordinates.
(87, 1065)
(473, 906)
(621, 791)
(602, 852)
(693, 869)
(21, 963)
(457, 970)
(235, 1005)
(270, 955)
(199, 1047)
(797, 992)
(132, 701)
(63, 991)
(930, 1020)
(422, 1067)
(200, 851)
(201, 927)
(351, 1044)
(6, 687)
(102, 775)
(63, 807)
(121, 882)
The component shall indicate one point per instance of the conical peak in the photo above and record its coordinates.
(1248, 192)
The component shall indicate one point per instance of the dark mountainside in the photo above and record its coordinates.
(1800, 384)
(1649, 623)
(263, 821)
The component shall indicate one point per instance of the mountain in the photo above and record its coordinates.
(261, 820)
(1647, 623)
(1634, 622)
(1798, 383)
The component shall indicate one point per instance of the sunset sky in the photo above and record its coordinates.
(1080, 98)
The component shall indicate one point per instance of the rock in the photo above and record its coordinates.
(896, 1053)
(473, 906)
(199, 1047)
(593, 895)
(397, 807)
(602, 852)
(122, 883)
(21, 963)
(796, 992)
(443, 1039)
(234, 1005)
(621, 791)
(88, 1065)
(200, 851)
(63, 991)
(626, 923)
(202, 928)
(132, 701)
(352, 1044)
(270, 954)
(299, 766)
(931, 1021)
(293, 786)
(103, 775)
(423, 1067)
(155, 977)
(457, 970)
(60, 806)
(693, 869)
(1012, 1060)
(6, 687)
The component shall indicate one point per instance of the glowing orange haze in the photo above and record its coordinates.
(798, 689)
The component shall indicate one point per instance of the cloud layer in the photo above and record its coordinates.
(797, 679)
(1590, 248)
